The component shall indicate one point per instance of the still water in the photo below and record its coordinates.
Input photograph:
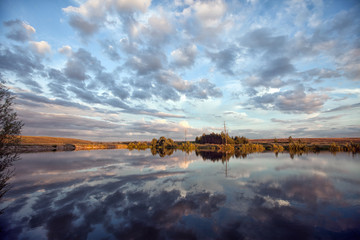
(121, 194)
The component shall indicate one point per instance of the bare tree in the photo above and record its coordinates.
(10, 128)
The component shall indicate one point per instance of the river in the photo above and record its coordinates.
(122, 194)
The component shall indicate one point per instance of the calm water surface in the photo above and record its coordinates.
(121, 194)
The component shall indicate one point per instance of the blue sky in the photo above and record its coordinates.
(118, 70)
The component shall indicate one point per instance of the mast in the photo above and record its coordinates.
(225, 133)
(185, 134)
(226, 164)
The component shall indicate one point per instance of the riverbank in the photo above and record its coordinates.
(46, 144)
(68, 147)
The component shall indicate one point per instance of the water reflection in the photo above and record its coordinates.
(120, 194)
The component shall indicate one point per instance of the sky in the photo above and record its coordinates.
(116, 70)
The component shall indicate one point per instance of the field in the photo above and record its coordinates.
(317, 141)
(30, 140)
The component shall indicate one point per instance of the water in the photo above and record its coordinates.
(121, 194)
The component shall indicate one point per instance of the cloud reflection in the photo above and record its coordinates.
(137, 201)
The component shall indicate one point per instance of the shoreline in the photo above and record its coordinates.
(31, 148)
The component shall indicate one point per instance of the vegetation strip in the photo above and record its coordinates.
(213, 141)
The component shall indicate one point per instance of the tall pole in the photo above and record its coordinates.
(225, 133)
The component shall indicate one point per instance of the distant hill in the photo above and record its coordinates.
(25, 140)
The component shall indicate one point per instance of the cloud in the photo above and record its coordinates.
(146, 62)
(277, 68)
(66, 50)
(209, 13)
(184, 57)
(20, 31)
(80, 63)
(85, 95)
(349, 62)
(132, 5)
(92, 14)
(159, 31)
(19, 61)
(344, 107)
(318, 74)
(262, 41)
(271, 75)
(85, 27)
(205, 21)
(110, 48)
(257, 81)
(32, 84)
(141, 94)
(313, 120)
(41, 48)
(291, 101)
(224, 59)
(200, 89)
(111, 82)
(31, 99)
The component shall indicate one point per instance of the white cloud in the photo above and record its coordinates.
(210, 13)
(132, 5)
(349, 62)
(159, 29)
(20, 31)
(98, 8)
(41, 47)
(29, 29)
(184, 124)
(93, 14)
(184, 57)
(66, 50)
(160, 24)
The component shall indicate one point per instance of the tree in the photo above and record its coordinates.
(10, 128)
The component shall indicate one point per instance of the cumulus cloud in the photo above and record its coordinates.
(132, 5)
(318, 74)
(277, 68)
(184, 57)
(80, 63)
(209, 13)
(146, 62)
(66, 50)
(85, 27)
(349, 62)
(271, 75)
(41, 48)
(205, 21)
(159, 29)
(224, 59)
(262, 41)
(200, 89)
(110, 48)
(92, 14)
(20, 31)
(19, 61)
(291, 101)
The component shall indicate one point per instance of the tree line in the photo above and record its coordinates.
(220, 138)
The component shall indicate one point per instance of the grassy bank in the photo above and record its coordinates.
(40, 144)
(45, 144)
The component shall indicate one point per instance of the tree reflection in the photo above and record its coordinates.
(162, 152)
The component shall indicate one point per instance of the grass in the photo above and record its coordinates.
(32, 140)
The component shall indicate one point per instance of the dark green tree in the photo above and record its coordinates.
(10, 129)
